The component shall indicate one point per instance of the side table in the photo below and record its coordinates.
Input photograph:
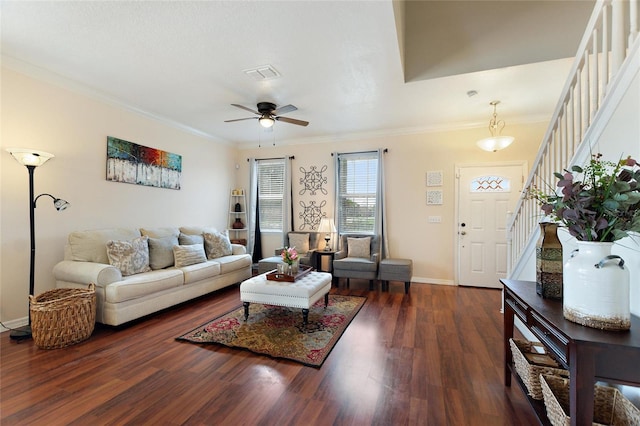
(319, 254)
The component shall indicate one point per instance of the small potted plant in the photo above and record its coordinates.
(598, 204)
(290, 257)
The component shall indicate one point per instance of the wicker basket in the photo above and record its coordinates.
(62, 316)
(529, 372)
(610, 407)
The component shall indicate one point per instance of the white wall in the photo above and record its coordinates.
(74, 127)
(431, 246)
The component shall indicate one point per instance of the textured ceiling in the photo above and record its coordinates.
(341, 62)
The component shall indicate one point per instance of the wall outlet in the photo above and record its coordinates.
(435, 219)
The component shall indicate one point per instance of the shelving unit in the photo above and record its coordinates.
(237, 236)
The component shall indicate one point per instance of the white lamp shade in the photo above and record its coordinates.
(326, 226)
(30, 157)
(495, 143)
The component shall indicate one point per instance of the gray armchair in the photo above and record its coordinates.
(305, 243)
(358, 261)
(299, 241)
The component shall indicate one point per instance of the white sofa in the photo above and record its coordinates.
(124, 298)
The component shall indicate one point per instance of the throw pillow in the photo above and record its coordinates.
(359, 247)
(300, 242)
(188, 239)
(161, 251)
(131, 257)
(188, 255)
(217, 245)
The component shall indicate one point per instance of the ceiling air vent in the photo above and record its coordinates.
(265, 72)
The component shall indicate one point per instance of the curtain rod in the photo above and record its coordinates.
(273, 158)
(384, 151)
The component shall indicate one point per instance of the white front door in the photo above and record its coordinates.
(486, 194)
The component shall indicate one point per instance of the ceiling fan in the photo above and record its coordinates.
(268, 114)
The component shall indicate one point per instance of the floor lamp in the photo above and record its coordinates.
(32, 159)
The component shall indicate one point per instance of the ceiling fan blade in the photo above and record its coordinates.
(292, 121)
(284, 109)
(246, 109)
(241, 119)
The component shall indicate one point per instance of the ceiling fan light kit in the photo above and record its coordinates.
(267, 114)
(495, 142)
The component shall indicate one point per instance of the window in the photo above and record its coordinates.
(357, 192)
(271, 193)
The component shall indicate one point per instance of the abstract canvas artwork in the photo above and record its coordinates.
(129, 162)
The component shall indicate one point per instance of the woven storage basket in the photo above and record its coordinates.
(610, 407)
(528, 372)
(62, 316)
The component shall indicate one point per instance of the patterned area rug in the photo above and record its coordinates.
(278, 332)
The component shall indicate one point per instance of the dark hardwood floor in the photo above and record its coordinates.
(433, 357)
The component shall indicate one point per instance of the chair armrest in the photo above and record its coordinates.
(238, 249)
(340, 255)
(374, 257)
(278, 251)
(86, 272)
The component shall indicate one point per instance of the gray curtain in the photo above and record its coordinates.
(381, 211)
(253, 203)
(287, 206)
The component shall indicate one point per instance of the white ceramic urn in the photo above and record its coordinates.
(596, 288)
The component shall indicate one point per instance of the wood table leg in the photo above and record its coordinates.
(326, 300)
(305, 317)
(246, 310)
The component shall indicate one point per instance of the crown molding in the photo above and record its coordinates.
(51, 77)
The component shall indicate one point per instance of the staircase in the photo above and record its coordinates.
(604, 75)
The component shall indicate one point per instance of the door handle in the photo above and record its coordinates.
(463, 233)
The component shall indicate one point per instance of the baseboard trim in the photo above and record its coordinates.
(14, 324)
(438, 281)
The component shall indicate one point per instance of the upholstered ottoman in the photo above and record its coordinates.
(268, 264)
(302, 293)
(395, 270)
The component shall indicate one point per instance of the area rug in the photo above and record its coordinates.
(278, 332)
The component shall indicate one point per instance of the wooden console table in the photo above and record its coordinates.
(589, 354)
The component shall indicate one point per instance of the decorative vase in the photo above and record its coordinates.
(295, 267)
(238, 207)
(549, 262)
(596, 288)
(237, 224)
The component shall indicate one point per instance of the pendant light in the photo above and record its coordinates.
(496, 142)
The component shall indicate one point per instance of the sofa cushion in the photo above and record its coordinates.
(233, 262)
(161, 251)
(160, 232)
(197, 230)
(91, 246)
(200, 271)
(188, 255)
(300, 242)
(359, 247)
(135, 286)
(131, 257)
(189, 239)
(216, 244)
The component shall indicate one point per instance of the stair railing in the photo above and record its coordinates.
(611, 32)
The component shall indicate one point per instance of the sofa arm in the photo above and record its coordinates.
(374, 258)
(238, 249)
(86, 272)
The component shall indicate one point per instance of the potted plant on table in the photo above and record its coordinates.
(290, 258)
(598, 204)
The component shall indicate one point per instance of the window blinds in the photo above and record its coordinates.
(271, 193)
(357, 187)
